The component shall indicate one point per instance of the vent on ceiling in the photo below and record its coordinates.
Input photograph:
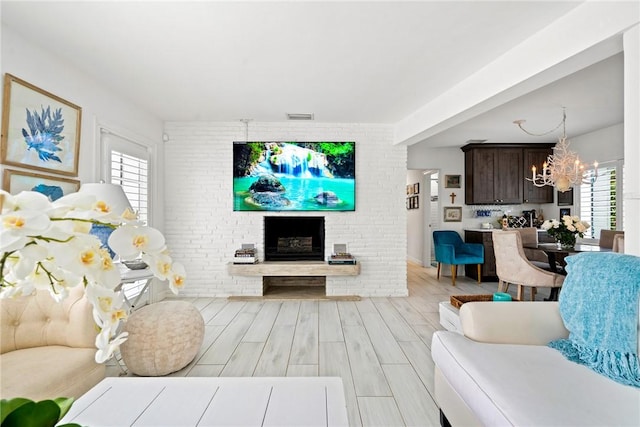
(299, 116)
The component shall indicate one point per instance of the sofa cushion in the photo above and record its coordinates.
(48, 372)
(531, 385)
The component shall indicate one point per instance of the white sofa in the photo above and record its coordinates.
(500, 372)
(48, 348)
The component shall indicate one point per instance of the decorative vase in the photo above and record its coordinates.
(103, 232)
(566, 241)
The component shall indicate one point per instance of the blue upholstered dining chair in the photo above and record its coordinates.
(450, 249)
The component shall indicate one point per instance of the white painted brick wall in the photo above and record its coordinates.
(203, 231)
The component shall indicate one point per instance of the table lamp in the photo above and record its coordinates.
(114, 196)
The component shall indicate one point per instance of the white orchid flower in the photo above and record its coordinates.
(107, 346)
(81, 254)
(107, 305)
(14, 292)
(106, 273)
(23, 262)
(30, 201)
(130, 241)
(17, 226)
(160, 265)
(48, 276)
(7, 202)
(70, 202)
(177, 277)
(10, 242)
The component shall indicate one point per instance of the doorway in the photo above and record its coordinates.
(431, 216)
(422, 215)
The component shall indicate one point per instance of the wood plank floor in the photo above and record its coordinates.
(379, 346)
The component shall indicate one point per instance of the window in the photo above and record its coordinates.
(599, 201)
(127, 164)
(131, 174)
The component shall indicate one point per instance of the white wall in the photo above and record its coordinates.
(603, 145)
(415, 218)
(632, 139)
(450, 161)
(205, 231)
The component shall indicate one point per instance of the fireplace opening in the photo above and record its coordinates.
(290, 238)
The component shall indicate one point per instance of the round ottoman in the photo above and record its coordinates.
(163, 337)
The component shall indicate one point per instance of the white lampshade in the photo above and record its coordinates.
(112, 194)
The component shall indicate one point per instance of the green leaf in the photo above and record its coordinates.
(65, 404)
(8, 406)
(42, 414)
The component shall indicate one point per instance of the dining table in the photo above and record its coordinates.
(556, 253)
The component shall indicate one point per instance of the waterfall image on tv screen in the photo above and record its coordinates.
(294, 176)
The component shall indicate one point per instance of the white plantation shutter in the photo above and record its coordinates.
(128, 166)
(599, 202)
(132, 174)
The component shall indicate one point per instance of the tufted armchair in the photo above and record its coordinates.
(450, 249)
(48, 348)
(513, 266)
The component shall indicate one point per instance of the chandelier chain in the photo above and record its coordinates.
(562, 123)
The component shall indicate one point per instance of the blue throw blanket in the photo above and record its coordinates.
(599, 307)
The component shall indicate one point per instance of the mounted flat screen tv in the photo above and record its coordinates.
(294, 176)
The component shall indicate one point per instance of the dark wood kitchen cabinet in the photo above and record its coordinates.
(495, 173)
(537, 157)
(493, 176)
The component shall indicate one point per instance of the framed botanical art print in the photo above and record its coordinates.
(39, 130)
(452, 214)
(452, 181)
(14, 181)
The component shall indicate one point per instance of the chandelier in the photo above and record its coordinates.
(563, 168)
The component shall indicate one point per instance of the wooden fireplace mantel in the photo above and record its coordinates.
(293, 268)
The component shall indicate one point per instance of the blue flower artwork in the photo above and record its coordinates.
(45, 133)
(40, 130)
(53, 192)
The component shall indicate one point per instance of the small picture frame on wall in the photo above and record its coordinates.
(15, 181)
(566, 198)
(416, 202)
(452, 214)
(565, 211)
(452, 181)
(409, 189)
(416, 188)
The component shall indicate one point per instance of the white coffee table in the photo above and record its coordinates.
(449, 317)
(212, 401)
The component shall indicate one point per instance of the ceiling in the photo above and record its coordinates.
(355, 62)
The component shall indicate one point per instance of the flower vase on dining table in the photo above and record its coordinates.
(566, 241)
(566, 231)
